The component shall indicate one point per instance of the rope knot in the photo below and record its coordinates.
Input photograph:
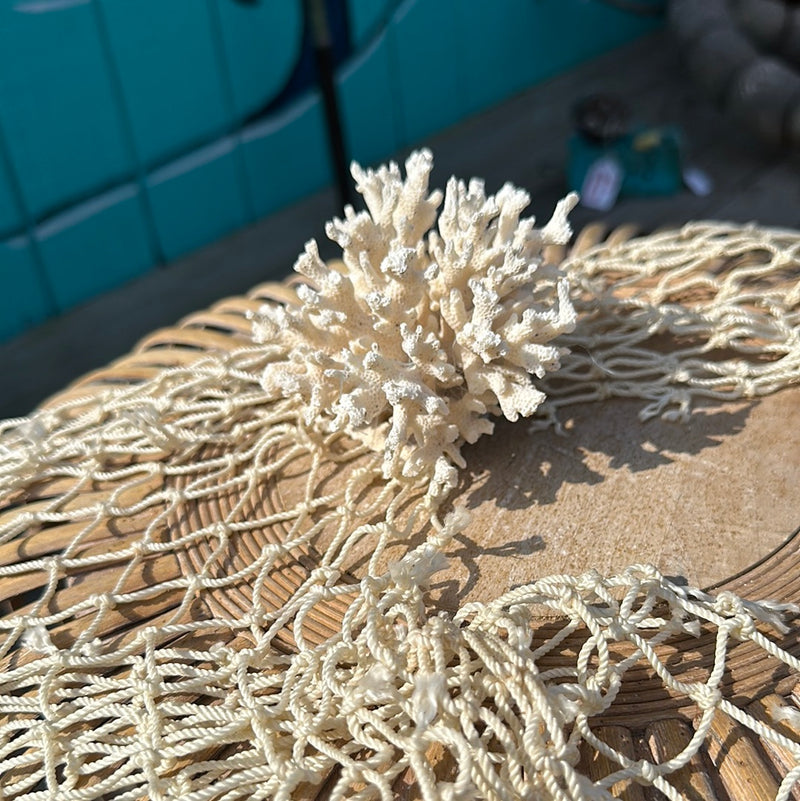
(742, 627)
(325, 576)
(194, 585)
(706, 697)
(740, 623)
(648, 771)
(102, 602)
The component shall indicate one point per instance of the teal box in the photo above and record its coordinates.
(650, 159)
(23, 301)
(197, 199)
(95, 247)
(286, 156)
(169, 72)
(57, 104)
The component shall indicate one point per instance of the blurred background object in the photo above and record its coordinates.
(745, 54)
(611, 156)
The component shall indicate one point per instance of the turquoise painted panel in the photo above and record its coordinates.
(57, 105)
(498, 51)
(191, 70)
(286, 156)
(429, 89)
(262, 45)
(367, 103)
(365, 18)
(197, 199)
(95, 247)
(10, 216)
(577, 30)
(23, 301)
(168, 69)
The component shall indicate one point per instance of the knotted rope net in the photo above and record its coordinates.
(216, 581)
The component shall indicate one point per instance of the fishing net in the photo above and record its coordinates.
(216, 581)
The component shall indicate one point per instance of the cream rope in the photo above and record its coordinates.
(157, 650)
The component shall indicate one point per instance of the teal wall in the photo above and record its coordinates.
(134, 131)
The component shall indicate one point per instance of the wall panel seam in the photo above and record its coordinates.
(140, 174)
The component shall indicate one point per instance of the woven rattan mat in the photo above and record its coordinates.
(713, 501)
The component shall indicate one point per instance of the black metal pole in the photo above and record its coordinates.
(323, 54)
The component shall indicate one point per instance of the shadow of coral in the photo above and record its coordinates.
(451, 592)
(519, 467)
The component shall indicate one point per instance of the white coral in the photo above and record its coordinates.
(423, 331)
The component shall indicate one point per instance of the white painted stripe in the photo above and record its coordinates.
(191, 161)
(273, 123)
(83, 211)
(46, 6)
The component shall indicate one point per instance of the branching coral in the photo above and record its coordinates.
(427, 326)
